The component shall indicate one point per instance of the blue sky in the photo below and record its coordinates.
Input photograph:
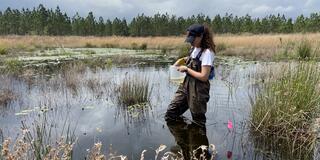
(131, 8)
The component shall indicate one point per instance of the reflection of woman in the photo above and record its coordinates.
(190, 137)
(193, 93)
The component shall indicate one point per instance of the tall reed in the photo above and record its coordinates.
(287, 106)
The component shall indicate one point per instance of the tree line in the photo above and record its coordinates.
(43, 21)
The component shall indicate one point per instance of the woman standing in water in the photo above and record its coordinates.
(193, 93)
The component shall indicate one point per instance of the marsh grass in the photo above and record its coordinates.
(3, 51)
(122, 59)
(286, 107)
(72, 81)
(221, 47)
(6, 96)
(42, 137)
(134, 90)
(304, 50)
(13, 66)
(21, 149)
(40, 140)
(89, 45)
(262, 46)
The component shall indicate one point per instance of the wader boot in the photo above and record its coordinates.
(189, 138)
(192, 94)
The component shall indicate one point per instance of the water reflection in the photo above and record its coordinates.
(191, 139)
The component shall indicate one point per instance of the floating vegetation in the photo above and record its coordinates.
(89, 52)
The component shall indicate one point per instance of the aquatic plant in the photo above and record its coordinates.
(6, 96)
(89, 52)
(13, 66)
(134, 90)
(286, 106)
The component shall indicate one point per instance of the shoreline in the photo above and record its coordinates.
(249, 46)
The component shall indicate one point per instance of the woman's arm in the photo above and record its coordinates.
(202, 76)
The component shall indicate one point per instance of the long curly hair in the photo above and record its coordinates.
(207, 40)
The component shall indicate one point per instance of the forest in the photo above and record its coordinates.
(43, 21)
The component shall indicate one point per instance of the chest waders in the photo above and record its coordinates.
(192, 94)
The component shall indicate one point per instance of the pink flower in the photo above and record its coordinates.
(230, 126)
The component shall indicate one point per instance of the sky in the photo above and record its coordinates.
(131, 8)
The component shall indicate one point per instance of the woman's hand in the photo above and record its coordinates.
(181, 61)
(182, 68)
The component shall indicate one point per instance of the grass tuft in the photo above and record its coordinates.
(304, 50)
(287, 107)
(134, 90)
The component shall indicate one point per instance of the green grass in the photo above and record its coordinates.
(89, 52)
(286, 108)
(3, 51)
(304, 50)
(13, 66)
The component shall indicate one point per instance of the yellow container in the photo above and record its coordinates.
(181, 61)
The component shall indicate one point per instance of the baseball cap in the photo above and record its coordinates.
(193, 31)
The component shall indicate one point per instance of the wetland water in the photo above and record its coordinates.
(81, 102)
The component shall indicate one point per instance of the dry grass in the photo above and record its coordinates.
(77, 41)
(21, 149)
(251, 46)
(266, 40)
(247, 41)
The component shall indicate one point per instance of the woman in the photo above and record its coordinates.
(193, 93)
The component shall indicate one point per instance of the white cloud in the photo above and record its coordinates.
(284, 9)
(262, 9)
(312, 3)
